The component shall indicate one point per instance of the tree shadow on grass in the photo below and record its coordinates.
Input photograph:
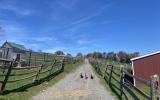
(36, 83)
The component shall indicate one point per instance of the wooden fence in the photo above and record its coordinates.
(120, 85)
(30, 58)
(10, 74)
(26, 58)
(29, 68)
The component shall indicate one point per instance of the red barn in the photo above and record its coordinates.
(145, 66)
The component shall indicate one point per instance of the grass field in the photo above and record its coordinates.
(23, 90)
(115, 86)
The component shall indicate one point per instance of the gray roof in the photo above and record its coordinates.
(16, 46)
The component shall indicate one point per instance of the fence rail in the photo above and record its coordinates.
(19, 67)
(115, 75)
(23, 73)
(33, 68)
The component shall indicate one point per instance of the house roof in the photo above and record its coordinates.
(15, 45)
(147, 55)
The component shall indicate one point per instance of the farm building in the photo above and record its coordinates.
(145, 66)
(10, 50)
(0, 53)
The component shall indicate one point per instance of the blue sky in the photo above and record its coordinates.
(82, 25)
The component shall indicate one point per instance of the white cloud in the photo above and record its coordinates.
(83, 42)
(75, 28)
(10, 6)
(56, 48)
(34, 46)
(1, 31)
(99, 12)
(15, 32)
(12, 29)
(67, 4)
(44, 39)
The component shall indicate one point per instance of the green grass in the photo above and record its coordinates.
(11, 86)
(103, 82)
(115, 91)
(26, 93)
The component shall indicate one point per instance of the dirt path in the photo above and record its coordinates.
(73, 87)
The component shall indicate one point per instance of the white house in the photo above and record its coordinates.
(10, 50)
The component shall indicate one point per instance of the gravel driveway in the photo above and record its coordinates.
(73, 87)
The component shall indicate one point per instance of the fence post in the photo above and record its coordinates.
(98, 67)
(62, 64)
(47, 57)
(154, 87)
(110, 75)
(35, 60)
(44, 57)
(52, 66)
(106, 71)
(95, 66)
(121, 81)
(6, 77)
(30, 53)
(39, 70)
(151, 88)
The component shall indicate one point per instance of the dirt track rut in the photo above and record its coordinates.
(73, 87)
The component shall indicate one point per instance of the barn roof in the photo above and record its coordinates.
(147, 55)
(15, 45)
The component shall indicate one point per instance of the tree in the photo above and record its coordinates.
(79, 55)
(122, 56)
(132, 55)
(59, 53)
(97, 55)
(69, 58)
(117, 59)
(111, 56)
(69, 55)
(104, 55)
(136, 54)
(89, 55)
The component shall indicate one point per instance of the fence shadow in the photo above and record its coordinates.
(36, 83)
(113, 89)
(123, 88)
